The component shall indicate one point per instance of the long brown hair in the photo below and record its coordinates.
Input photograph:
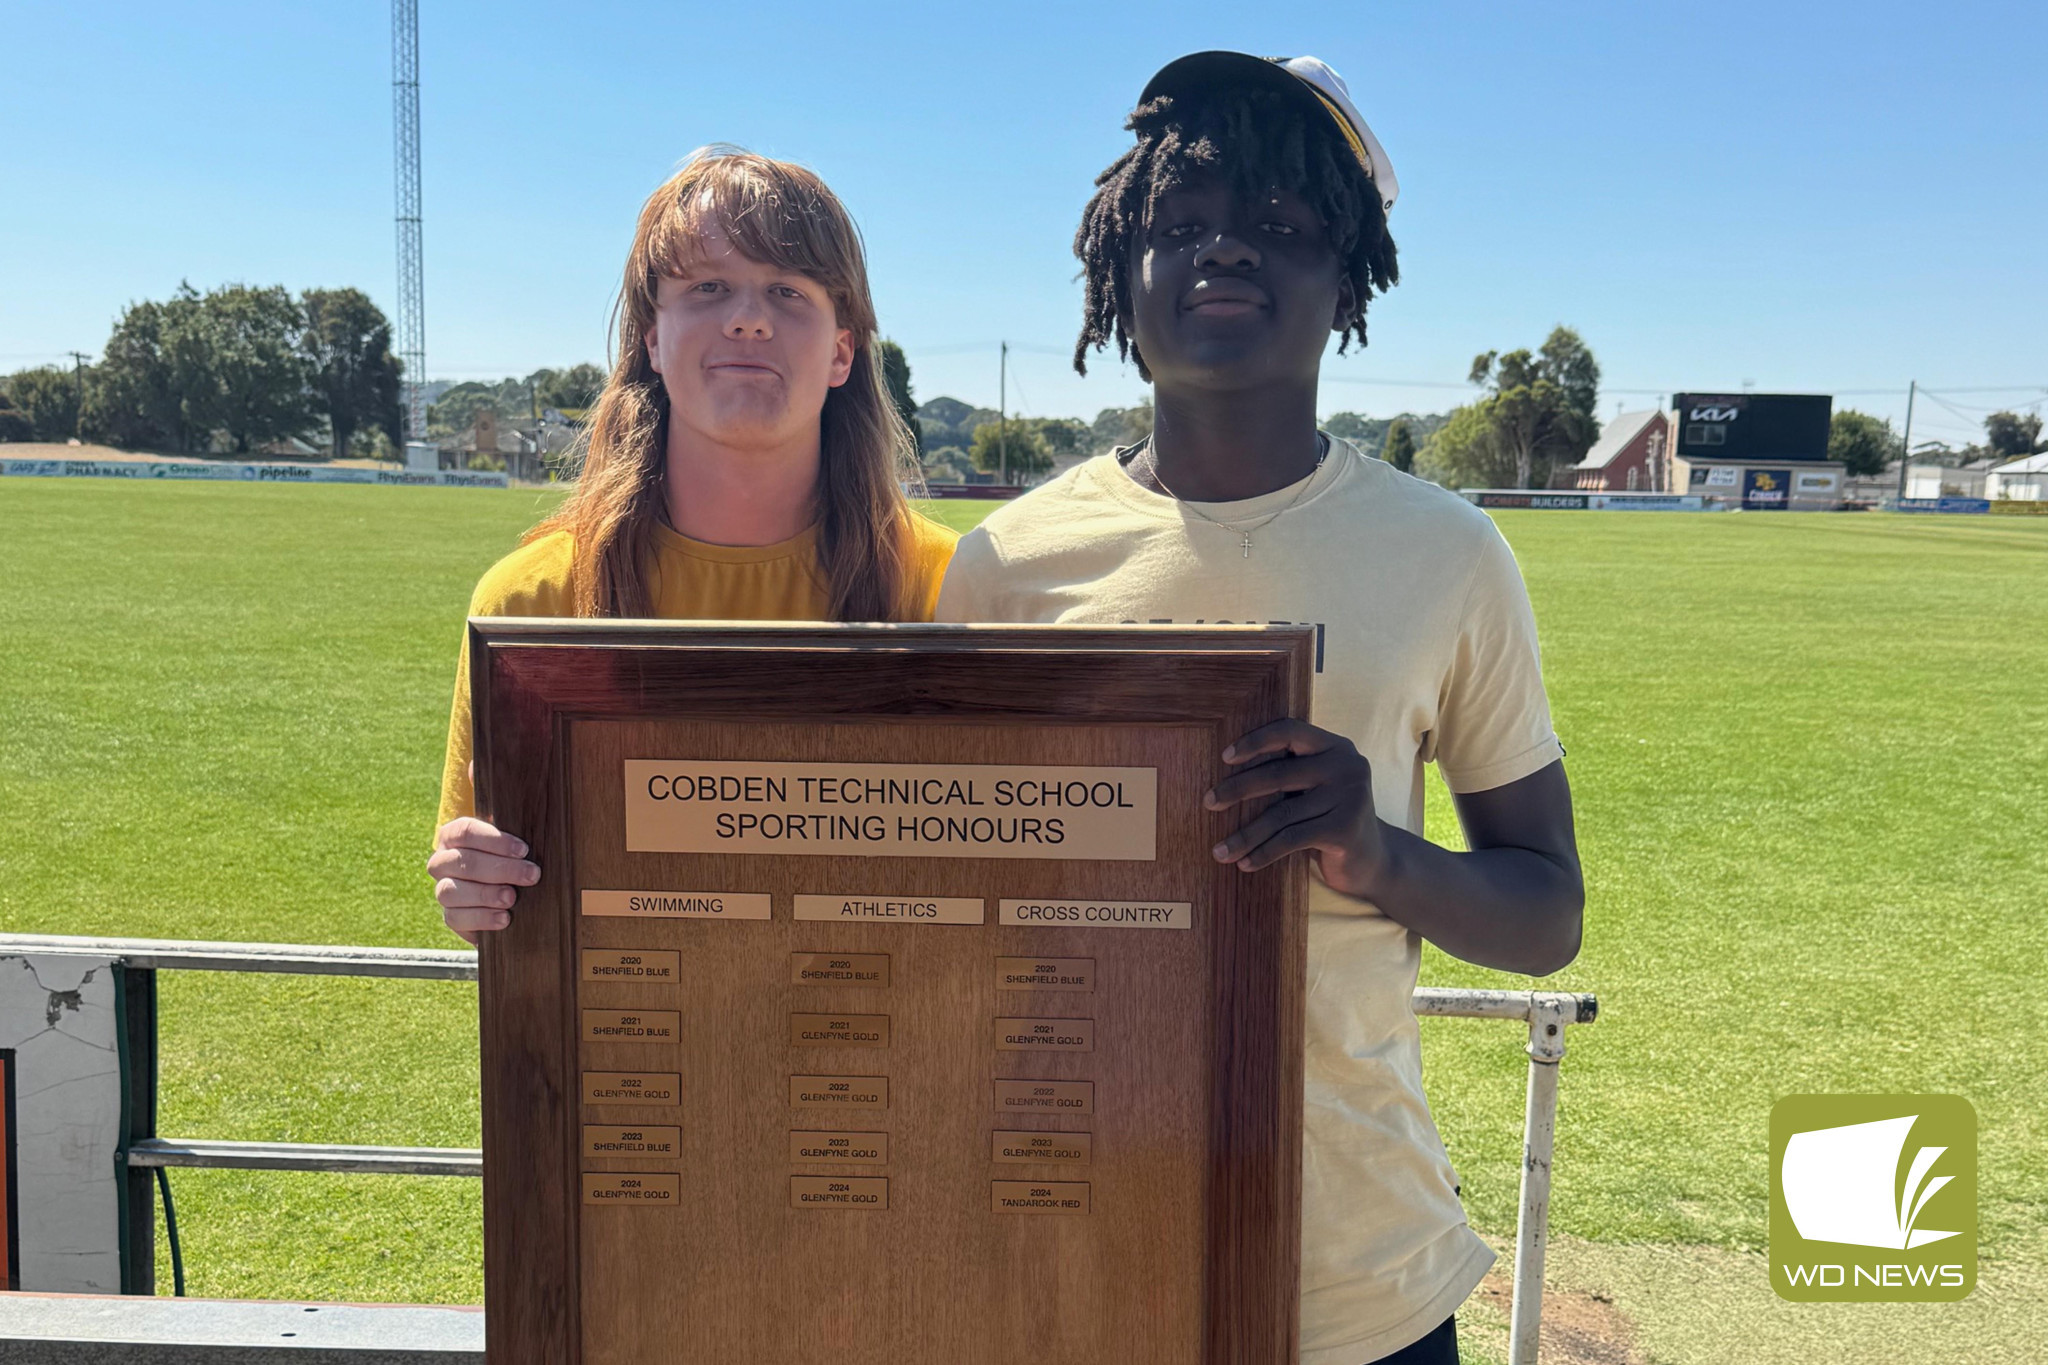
(779, 214)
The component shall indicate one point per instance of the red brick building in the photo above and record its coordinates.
(1633, 455)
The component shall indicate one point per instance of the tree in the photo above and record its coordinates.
(1369, 434)
(256, 385)
(1864, 444)
(1114, 428)
(147, 370)
(347, 347)
(48, 398)
(1540, 405)
(457, 408)
(947, 464)
(2013, 435)
(14, 423)
(896, 374)
(566, 391)
(950, 422)
(1400, 447)
(1017, 449)
(1065, 437)
(1354, 427)
(1464, 452)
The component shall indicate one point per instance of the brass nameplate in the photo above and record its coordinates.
(1059, 914)
(677, 904)
(1033, 1196)
(839, 969)
(890, 909)
(607, 964)
(1045, 973)
(898, 810)
(814, 1148)
(1045, 1097)
(839, 1030)
(1045, 1035)
(840, 1092)
(631, 1026)
(644, 1189)
(638, 1142)
(839, 1192)
(1073, 1147)
(633, 1087)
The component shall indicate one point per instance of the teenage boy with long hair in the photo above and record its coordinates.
(745, 461)
(1220, 252)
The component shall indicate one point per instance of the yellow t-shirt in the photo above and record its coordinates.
(1425, 652)
(691, 581)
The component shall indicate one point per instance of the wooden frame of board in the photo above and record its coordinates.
(737, 1243)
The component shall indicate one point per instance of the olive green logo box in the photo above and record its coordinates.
(1873, 1198)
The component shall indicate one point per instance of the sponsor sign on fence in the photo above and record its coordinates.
(1498, 497)
(1648, 502)
(236, 472)
(1976, 505)
(1766, 490)
(1586, 502)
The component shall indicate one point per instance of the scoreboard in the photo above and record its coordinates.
(1753, 426)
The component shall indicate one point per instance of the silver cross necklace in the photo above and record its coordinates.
(1152, 467)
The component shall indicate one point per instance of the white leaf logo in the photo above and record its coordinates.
(1839, 1185)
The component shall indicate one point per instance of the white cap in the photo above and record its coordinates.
(1307, 75)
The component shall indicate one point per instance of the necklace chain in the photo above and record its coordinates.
(1323, 453)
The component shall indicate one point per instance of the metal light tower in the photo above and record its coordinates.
(405, 137)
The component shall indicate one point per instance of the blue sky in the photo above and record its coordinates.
(1811, 196)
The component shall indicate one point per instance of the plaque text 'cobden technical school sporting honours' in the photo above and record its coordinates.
(911, 810)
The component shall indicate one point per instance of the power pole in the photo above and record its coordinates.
(78, 380)
(1906, 444)
(1003, 416)
(405, 137)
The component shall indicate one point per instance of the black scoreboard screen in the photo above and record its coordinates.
(1753, 426)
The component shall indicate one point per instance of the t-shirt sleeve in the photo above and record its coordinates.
(1493, 718)
(932, 547)
(531, 581)
(968, 594)
(458, 796)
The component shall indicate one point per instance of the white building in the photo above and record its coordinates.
(2024, 480)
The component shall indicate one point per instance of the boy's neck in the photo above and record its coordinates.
(1211, 446)
(727, 496)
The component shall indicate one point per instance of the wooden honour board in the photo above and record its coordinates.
(970, 1110)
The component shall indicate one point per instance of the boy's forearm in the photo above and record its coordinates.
(1513, 909)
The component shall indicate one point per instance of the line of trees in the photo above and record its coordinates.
(228, 370)
(1393, 439)
(571, 392)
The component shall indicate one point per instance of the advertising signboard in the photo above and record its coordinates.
(1574, 502)
(1765, 490)
(1753, 426)
(1977, 506)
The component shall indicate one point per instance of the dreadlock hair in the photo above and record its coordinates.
(1253, 140)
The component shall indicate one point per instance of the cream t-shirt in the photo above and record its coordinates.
(1425, 652)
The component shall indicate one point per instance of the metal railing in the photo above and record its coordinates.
(1547, 1014)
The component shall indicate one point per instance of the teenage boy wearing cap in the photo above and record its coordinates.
(1245, 226)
